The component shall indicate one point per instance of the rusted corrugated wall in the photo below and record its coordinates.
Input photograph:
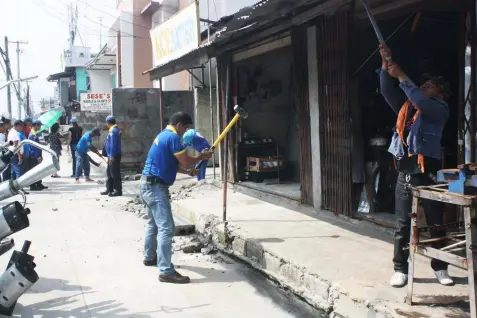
(300, 66)
(335, 115)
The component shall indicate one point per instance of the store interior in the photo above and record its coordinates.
(268, 150)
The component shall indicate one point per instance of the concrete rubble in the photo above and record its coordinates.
(336, 265)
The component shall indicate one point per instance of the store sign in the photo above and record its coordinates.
(99, 103)
(177, 36)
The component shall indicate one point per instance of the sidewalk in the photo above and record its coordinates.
(338, 265)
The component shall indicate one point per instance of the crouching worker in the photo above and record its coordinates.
(82, 158)
(160, 171)
(422, 114)
(194, 139)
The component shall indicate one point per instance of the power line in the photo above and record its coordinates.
(102, 11)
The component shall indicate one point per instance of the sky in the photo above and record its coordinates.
(44, 25)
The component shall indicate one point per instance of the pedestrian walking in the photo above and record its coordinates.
(160, 171)
(82, 158)
(74, 136)
(192, 138)
(113, 151)
(55, 143)
(35, 154)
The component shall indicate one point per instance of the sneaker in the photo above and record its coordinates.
(444, 278)
(105, 193)
(35, 188)
(398, 279)
(88, 179)
(41, 186)
(150, 262)
(175, 278)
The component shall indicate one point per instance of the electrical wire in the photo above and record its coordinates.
(102, 11)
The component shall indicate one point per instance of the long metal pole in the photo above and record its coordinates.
(210, 90)
(217, 91)
(226, 143)
(9, 90)
(161, 112)
(19, 85)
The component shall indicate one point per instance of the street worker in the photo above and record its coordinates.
(55, 143)
(422, 114)
(192, 138)
(74, 136)
(6, 175)
(82, 158)
(113, 151)
(35, 154)
(17, 161)
(160, 171)
(27, 130)
(26, 151)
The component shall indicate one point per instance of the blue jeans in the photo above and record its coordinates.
(160, 226)
(73, 158)
(17, 169)
(201, 174)
(82, 164)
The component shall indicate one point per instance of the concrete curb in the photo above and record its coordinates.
(317, 291)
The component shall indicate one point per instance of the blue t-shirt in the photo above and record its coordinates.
(26, 148)
(193, 138)
(161, 161)
(85, 143)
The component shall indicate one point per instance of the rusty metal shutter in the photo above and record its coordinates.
(300, 67)
(335, 114)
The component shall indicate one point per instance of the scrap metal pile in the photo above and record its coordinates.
(20, 272)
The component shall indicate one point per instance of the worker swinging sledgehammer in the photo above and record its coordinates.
(422, 114)
(240, 113)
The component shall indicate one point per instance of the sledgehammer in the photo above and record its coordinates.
(240, 113)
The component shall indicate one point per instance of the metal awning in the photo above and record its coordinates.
(57, 76)
(269, 16)
(104, 61)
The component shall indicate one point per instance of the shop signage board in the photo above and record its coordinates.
(177, 36)
(96, 102)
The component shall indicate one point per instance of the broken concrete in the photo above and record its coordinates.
(339, 266)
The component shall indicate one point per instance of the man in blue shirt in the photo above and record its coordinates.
(422, 114)
(192, 138)
(34, 154)
(82, 158)
(114, 187)
(163, 162)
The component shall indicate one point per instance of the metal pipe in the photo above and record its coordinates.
(217, 85)
(226, 143)
(43, 170)
(210, 99)
(473, 76)
(161, 113)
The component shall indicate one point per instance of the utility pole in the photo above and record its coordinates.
(20, 100)
(9, 77)
(100, 33)
(28, 110)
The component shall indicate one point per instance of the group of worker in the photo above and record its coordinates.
(79, 144)
(28, 157)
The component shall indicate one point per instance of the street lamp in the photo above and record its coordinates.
(17, 80)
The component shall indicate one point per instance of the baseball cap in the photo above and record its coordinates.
(74, 120)
(27, 120)
(110, 118)
(439, 81)
(188, 137)
(37, 122)
(96, 132)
